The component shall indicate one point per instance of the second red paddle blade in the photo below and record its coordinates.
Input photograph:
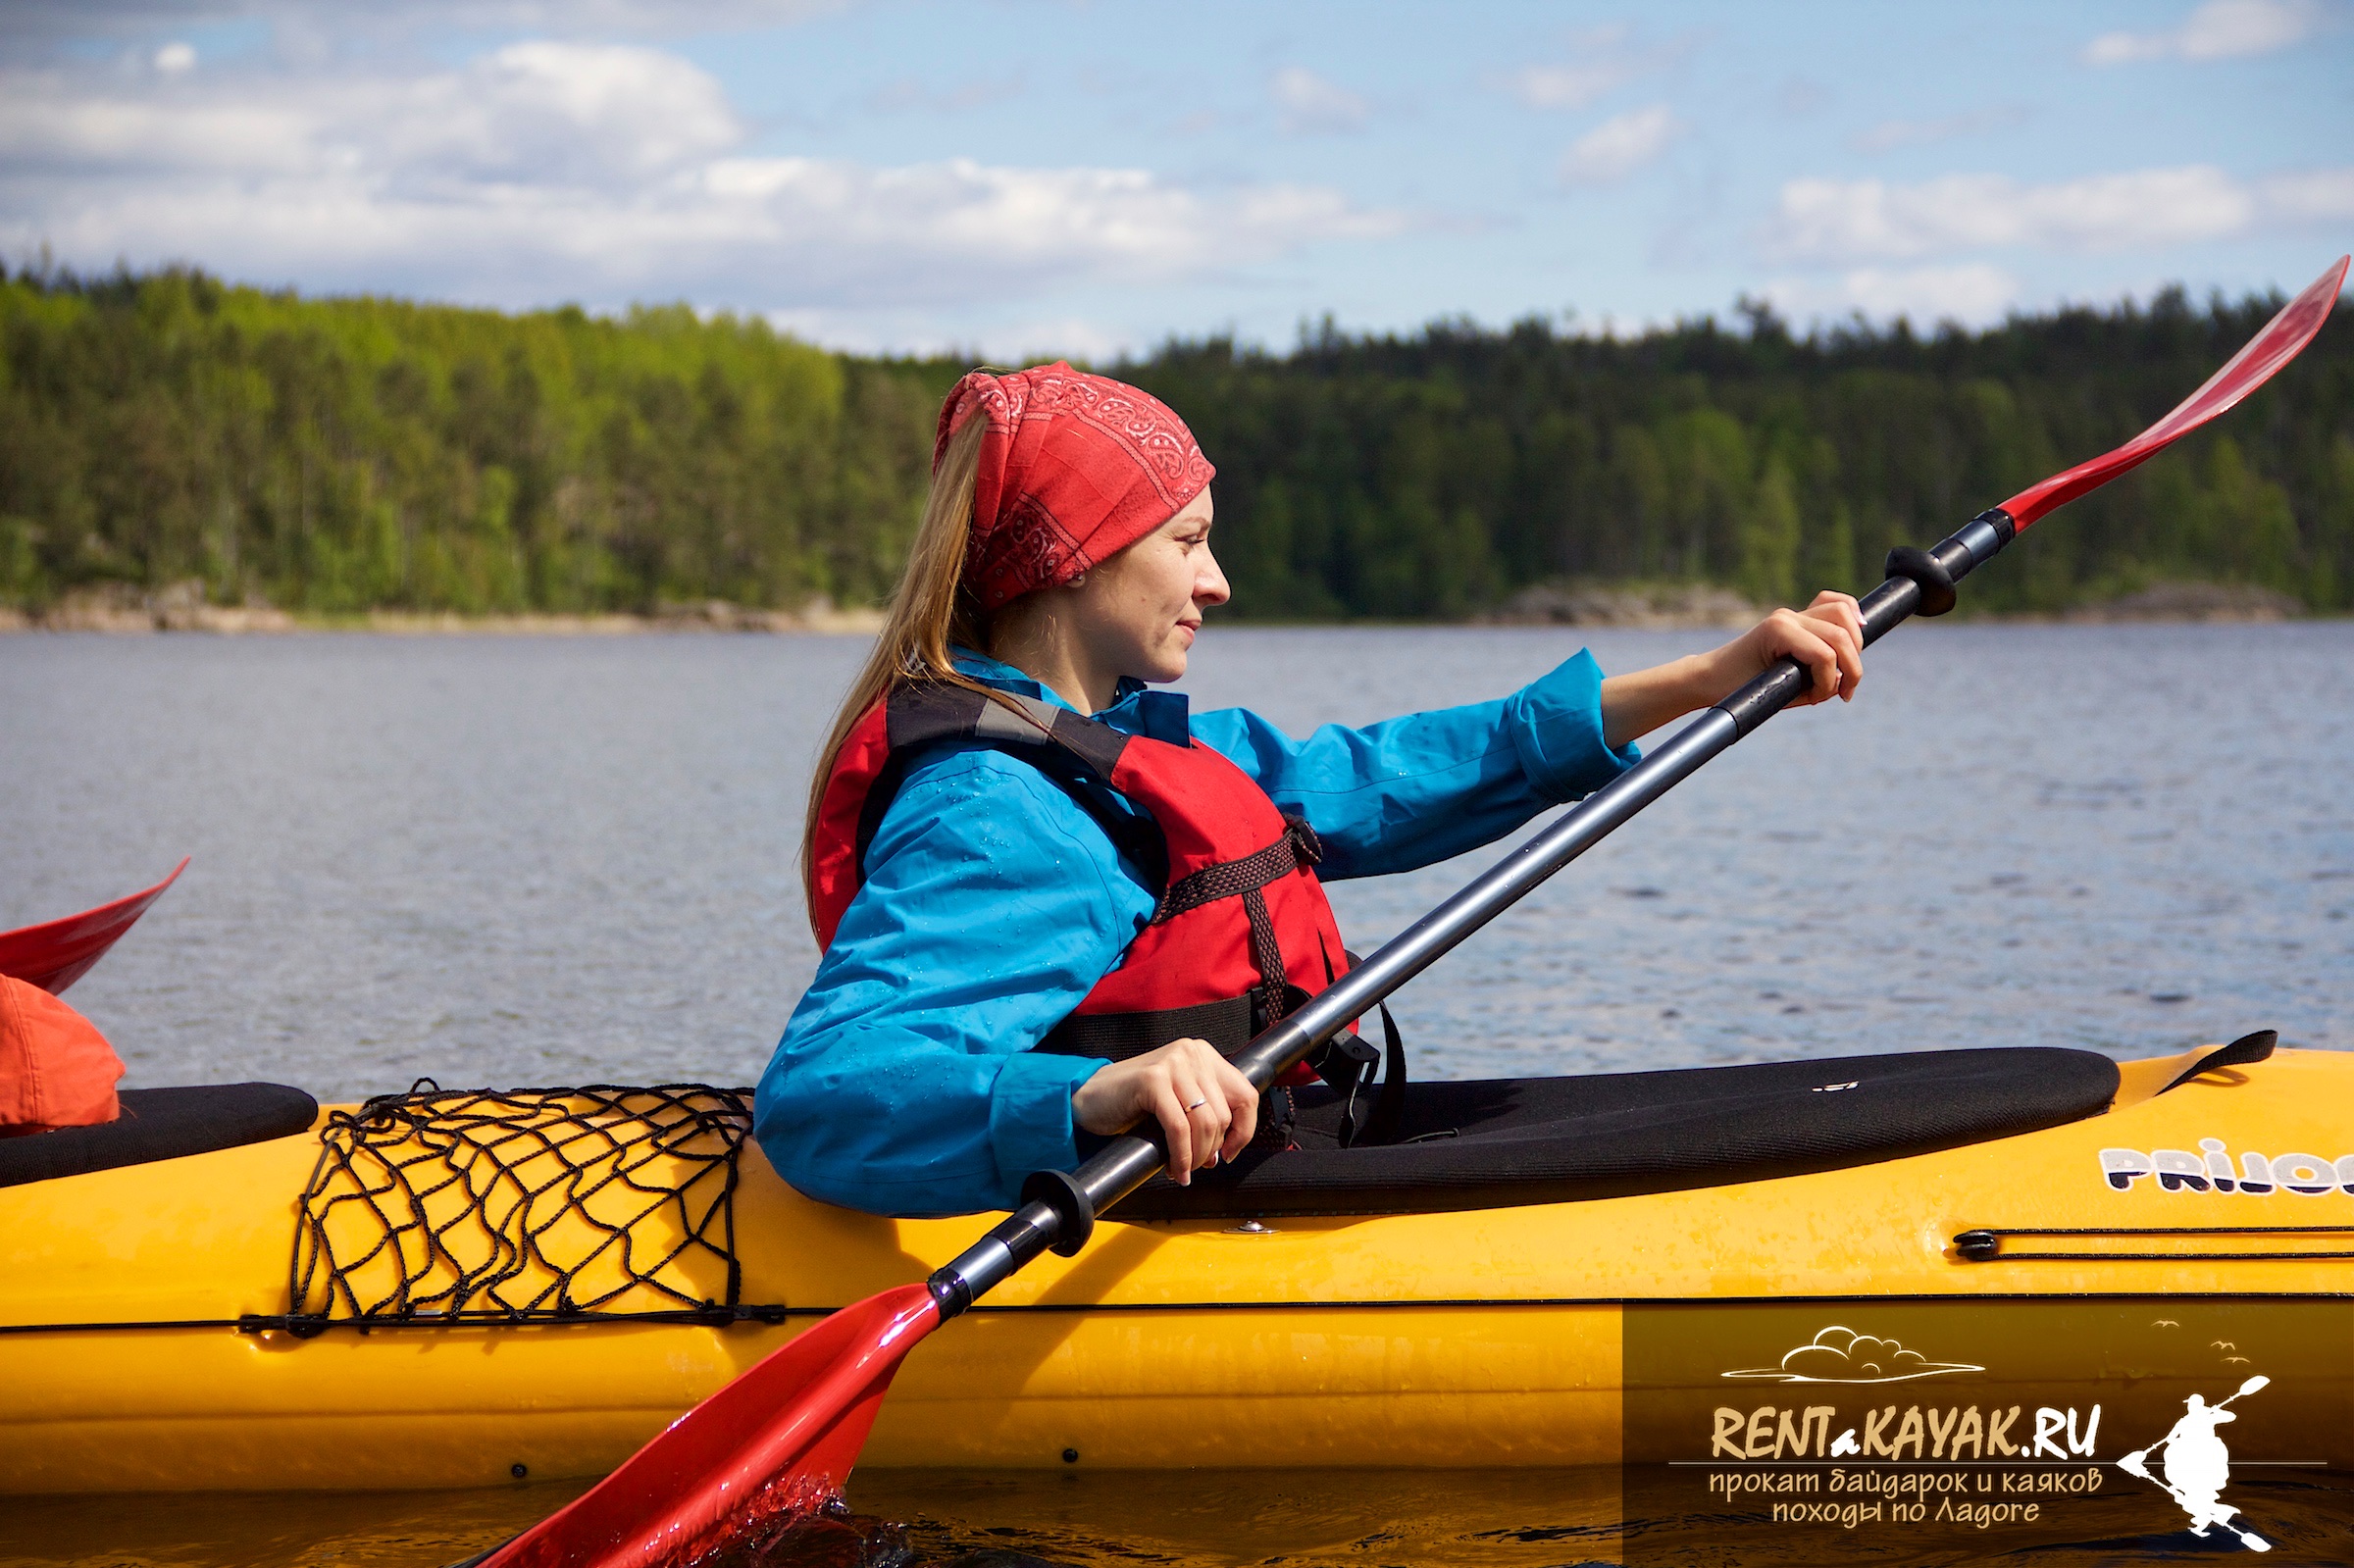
(58, 952)
(782, 1436)
(2284, 338)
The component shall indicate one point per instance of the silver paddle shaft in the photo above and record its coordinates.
(1061, 1209)
(1583, 826)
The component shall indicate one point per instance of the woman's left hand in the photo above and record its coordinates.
(1827, 637)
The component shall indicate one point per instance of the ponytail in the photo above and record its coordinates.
(931, 608)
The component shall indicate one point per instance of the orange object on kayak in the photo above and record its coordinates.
(58, 952)
(56, 1070)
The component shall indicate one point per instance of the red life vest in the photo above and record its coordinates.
(1241, 932)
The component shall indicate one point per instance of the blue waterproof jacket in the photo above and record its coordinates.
(992, 903)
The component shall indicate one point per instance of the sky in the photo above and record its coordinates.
(1022, 177)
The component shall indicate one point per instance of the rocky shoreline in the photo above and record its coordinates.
(2192, 601)
(1656, 607)
(1684, 606)
(121, 609)
(1643, 607)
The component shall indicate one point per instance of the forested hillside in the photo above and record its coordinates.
(341, 454)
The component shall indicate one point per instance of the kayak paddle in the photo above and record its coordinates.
(785, 1432)
(58, 952)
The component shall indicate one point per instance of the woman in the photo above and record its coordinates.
(1038, 930)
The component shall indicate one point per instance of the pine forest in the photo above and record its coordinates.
(337, 455)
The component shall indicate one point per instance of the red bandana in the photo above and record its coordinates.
(1075, 468)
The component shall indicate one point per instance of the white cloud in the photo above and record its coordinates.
(540, 112)
(1020, 338)
(2314, 195)
(909, 93)
(614, 15)
(1310, 103)
(1621, 146)
(79, 19)
(45, 128)
(1846, 221)
(175, 58)
(1600, 61)
(547, 169)
(1890, 134)
(1564, 86)
(2220, 30)
(534, 110)
(961, 220)
(1973, 293)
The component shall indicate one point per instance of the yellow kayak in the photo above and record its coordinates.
(447, 1290)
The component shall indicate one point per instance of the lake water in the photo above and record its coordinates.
(543, 861)
(522, 861)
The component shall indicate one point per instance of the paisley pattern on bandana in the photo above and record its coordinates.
(1074, 469)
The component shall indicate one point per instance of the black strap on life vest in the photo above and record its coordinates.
(1230, 1024)
(1297, 850)
(1376, 1120)
(1076, 752)
(1348, 1063)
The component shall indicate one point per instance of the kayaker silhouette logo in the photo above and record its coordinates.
(2194, 1465)
(1839, 1354)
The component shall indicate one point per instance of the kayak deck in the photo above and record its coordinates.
(1492, 1144)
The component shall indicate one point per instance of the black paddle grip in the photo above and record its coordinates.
(1058, 1215)
(1919, 582)
(1074, 1210)
(1925, 572)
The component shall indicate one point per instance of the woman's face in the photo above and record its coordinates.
(1139, 611)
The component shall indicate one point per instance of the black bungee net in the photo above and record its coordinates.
(597, 1204)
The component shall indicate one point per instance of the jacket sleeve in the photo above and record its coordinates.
(1412, 792)
(904, 1084)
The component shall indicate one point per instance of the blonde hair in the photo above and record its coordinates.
(931, 608)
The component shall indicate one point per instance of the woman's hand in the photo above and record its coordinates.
(1827, 637)
(1206, 1110)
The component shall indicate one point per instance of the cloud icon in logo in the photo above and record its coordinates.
(1842, 1355)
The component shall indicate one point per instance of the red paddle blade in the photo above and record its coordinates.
(2284, 338)
(58, 952)
(780, 1436)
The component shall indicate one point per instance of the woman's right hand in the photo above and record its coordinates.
(1206, 1110)
(1826, 637)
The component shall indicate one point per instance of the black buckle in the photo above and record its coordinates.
(1306, 849)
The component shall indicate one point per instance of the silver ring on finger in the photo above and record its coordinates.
(1198, 1104)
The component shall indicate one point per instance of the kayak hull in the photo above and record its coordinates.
(1494, 1339)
